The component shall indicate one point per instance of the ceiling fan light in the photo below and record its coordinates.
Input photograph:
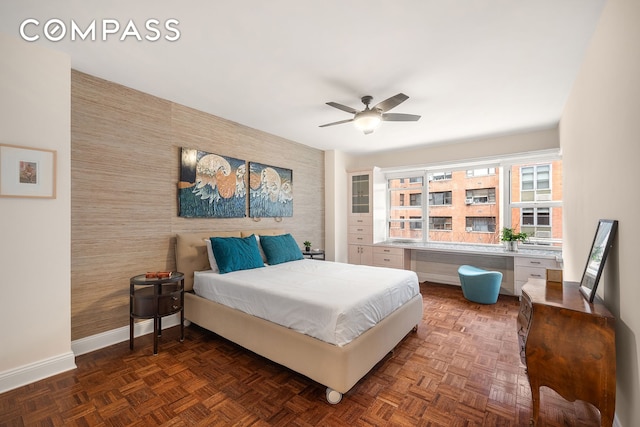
(367, 121)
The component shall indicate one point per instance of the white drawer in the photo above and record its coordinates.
(360, 220)
(535, 262)
(388, 260)
(388, 251)
(359, 229)
(359, 239)
(526, 273)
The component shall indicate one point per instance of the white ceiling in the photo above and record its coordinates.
(470, 68)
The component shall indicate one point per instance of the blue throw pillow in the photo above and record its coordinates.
(279, 249)
(236, 253)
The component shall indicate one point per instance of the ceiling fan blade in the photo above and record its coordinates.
(342, 107)
(392, 102)
(336, 123)
(400, 117)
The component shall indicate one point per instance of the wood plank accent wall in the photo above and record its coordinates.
(125, 164)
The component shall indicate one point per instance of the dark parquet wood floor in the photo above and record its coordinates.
(460, 369)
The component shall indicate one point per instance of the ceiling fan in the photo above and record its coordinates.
(368, 119)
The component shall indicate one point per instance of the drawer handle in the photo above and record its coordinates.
(387, 250)
(387, 259)
(535, 262)
(360, 229)
(359, 238)
(536, 275)
(359, 220)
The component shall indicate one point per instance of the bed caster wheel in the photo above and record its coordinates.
(334, 397)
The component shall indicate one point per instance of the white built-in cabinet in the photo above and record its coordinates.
(360, 238)
(361, 254)
(385, 256)
(360, 218)
(527, 267)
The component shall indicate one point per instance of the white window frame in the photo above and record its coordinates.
(413, 173)
(502, 167)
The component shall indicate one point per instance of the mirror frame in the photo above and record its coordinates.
(602, 242)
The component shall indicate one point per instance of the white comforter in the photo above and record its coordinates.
(333, 302)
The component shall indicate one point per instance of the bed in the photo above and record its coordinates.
(337, 366)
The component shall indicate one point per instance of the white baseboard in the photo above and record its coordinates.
(115, 336)
(36, 371)
(42, 369)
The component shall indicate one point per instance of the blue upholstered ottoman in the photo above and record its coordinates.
(480, 285)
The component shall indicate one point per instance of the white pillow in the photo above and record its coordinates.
(262, 254)
(212, 258)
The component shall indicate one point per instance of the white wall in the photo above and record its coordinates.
(463, 150)
(600, 140)
(335, 206)
(35, 337)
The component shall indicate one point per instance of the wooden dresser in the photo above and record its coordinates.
(568, 345)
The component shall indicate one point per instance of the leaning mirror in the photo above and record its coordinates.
(600, 247)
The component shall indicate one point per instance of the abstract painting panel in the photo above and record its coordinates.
(211, 185)
(271, 191)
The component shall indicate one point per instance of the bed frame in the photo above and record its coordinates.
(337, 368)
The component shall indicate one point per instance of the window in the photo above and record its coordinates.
(536, 222)
(440, 198)
(536, 183)
(440, 223)
(440, 176)
(481, 195)
(536, 202)
(456, 199)
(481, 223)
(444, 205)
(481, 172)
(405, 207)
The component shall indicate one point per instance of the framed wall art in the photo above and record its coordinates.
(27, 172)
(270, 192)
(211, 185)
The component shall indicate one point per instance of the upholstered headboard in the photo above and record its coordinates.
(191, 250)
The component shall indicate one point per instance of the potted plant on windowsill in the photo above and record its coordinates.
(511, 239)
(307, 245)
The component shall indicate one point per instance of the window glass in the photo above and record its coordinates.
(466, 205)
(440, 198)
(485, 224)
(439, 176)
(405, 207)
(536, 202)
(481, 172)
(440, 223)
(481, 195)
(467, 199)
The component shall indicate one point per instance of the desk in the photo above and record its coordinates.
(439, 261)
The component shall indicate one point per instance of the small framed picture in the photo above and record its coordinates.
(27, 172)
